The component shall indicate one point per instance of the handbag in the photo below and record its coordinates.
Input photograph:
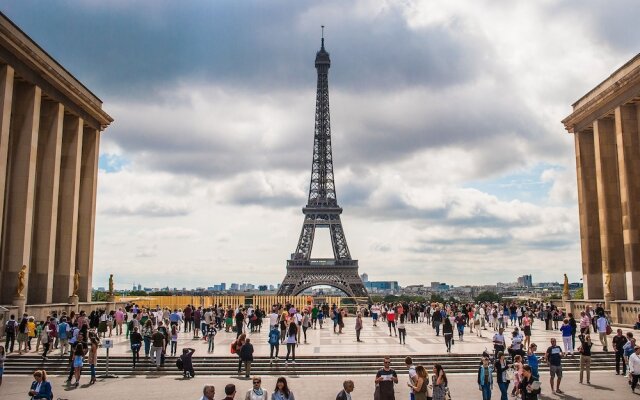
(511, 374)
(609, 330)
(447, 393)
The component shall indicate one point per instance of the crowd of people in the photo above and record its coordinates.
(513, 363)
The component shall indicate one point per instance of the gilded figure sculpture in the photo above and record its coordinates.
(76, 282)
(565, 289)
(111, 285)
(21, 281)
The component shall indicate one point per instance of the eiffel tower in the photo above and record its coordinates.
(322, 211)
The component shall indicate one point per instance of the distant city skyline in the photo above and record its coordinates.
(452, 163)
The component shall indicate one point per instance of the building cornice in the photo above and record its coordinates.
(620, 87)
(20, 45)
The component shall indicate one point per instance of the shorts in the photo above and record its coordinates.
(77, 362)
(555, 370)
(527, 331)
(391, 324)
(374, 316)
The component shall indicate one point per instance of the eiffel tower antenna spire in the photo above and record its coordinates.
(322, 210)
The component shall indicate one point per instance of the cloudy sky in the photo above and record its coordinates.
(450, 159)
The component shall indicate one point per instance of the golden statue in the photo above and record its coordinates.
(607, 283)
(565, 289)
(76, 282)
(21, 281)
(111, 285)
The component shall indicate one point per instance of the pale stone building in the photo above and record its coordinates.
(605, 124)
(50, 126)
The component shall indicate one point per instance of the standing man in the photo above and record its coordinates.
(230, 391)
(345, 393)
(386, 378)
(246, 355)
(554, 357)
(391, 321)
(159, 344)
(619, 340)
(602, 325)
(188, 318)
(499, 343)
(413, 377)
(239, 322)
(10, 329)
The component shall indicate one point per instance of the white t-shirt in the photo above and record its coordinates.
(499, 339)
(273, 319)
(412, 377)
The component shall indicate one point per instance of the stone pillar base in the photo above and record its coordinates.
(111, 299)
(74, 300)
(608, 298)
(20, 302)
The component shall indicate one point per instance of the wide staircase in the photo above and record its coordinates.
(315, 365)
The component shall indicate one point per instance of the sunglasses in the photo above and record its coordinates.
(256, 382)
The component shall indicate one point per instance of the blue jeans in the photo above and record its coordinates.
(147, 345)
(486, 391)
(93, 371)
(503, 386)
(437, 326)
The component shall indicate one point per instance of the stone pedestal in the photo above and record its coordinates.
(566, 303)
(111, 299)
(74, 300)
(608, 298)
(20, 302)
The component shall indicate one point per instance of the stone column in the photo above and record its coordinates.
(21, 179)
(628, 144)
(6, 97)
(46, 210)
(68, 198)
(87, 210)
(610, 219)
(589, 224)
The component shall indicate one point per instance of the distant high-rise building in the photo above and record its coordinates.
(234, 286)
(139, 286)
(525, 281)
(365, 277)
(223, 286)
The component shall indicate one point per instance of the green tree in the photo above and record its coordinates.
(488, 296)
(436, 298)
(578, 294)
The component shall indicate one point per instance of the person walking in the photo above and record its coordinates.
(136, 342)
(634, 368)
(358, 326)
(619, 340)
(386, 377)
(211, 334)
(281, 391)
(499, 342)
(78, 362)
(501, 368)
(566, 337)
(585, 356)
(246, 355)
(402, 330)
(147, 333)
(447, 332)
(347, 388)
(553, 356)
(485, 378)
(603, 325)
(256, 392)
(274, 343)
(291, 340)
(159, 343)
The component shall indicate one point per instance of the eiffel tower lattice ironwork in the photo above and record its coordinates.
(322, 211)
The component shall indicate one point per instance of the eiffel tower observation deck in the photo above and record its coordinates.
(322, 211)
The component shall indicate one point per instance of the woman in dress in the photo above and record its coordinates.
(282, 392)
(439, 382)
(78, 362)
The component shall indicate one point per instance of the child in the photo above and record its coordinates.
(211, 333)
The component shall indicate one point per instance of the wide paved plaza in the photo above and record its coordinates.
(421, 339)
(605, 385)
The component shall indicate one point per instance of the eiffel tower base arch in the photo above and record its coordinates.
(346, 279)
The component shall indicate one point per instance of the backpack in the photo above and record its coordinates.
(180, 364)
(10, 327)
